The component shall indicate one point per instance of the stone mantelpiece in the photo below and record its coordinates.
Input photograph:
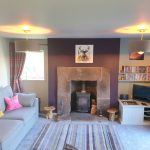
(66, 74)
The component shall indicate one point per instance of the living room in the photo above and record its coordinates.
(70, 32)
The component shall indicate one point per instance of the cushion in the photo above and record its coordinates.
(1, 114)
(12, 103)
(24, 114)
(2, 102)
(5, 92)
(26, 100)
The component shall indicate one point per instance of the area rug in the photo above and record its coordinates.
(75, 136)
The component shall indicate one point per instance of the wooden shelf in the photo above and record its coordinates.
(134, 81)
(134, 74)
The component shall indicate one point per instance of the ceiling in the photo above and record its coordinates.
(75, 18)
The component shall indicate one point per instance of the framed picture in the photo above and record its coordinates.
(136, 56)
(84, 53)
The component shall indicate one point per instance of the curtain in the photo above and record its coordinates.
(17, 60)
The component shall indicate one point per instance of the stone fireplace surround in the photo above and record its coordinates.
(66, 74)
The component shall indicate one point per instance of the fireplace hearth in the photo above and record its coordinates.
(65, 89)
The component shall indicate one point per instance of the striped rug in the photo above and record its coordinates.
(77, 136)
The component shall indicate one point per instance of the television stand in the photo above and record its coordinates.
(134, 112)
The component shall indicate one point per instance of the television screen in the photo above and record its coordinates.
(141, 92)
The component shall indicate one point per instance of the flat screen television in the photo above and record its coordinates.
(141, 92)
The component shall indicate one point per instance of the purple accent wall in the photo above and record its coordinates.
(61, 52)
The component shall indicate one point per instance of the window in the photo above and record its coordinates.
(34, 66)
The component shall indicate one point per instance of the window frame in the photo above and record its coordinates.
(27, 79)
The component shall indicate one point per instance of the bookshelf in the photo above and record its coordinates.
(134, 74)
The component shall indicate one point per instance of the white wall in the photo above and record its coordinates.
(4, 62)
(40, 87)
(126, 87)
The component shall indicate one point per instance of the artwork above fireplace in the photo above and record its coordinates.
(68, 75)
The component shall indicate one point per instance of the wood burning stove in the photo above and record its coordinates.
(82, 93)
(82, 102)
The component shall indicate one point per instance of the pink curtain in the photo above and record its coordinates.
(16, 66)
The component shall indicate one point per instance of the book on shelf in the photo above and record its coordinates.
(141, 77)
(135, 73)
(148, 69)
(142, 69)
(130, 77)
(127, 69)
(135, 69)
(148, 76)
(122, 77)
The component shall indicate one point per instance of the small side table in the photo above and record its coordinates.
(112, 112)
(49, 110)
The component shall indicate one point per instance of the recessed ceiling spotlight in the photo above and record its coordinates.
(20, 29)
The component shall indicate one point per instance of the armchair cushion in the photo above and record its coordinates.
(12, 103)
(2, 103)
(27, 100)
(5, 92)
